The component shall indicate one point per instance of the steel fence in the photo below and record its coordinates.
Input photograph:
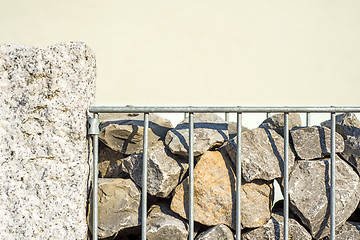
(93, 130)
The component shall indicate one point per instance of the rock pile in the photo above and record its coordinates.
(120, 161)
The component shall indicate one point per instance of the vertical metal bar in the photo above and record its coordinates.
(286, 176)
(267, 115)
(144, 178)
(308, 119)
(332, 191)
(191, 176)
(226, 116)
(185, 115)
(238, 177)
(95, 138)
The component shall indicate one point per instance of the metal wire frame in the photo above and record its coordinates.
(238, 110)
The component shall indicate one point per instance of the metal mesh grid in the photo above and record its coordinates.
(94, 124)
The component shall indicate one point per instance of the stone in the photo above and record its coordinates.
(214, 194)
(218, 232)
(309, 194)
(118, 206)
(232, 128)
(348, 126)
(165, 170)
(209, 131)
(274, 230)
(124, 132)
(262, 154)
(314, 142)
(351, 152)
(276, 122)
(110, 162)
(348, 231)
(44, 174)
(256, 201)
(162, 223)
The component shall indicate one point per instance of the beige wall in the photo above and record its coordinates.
(204, 52)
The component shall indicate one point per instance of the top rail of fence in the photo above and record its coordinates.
(116, 109)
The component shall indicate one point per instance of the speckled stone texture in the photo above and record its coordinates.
(214, 195)
(210, 131)
(314, 142)
(124, 132)
(274, 230)
(165, 170)
(348, 126)
(276, 122)
(262, 152)
(44, 156)
(348, 231)
(118, 206)
(162, 223)
(309, 194)
(218, 232)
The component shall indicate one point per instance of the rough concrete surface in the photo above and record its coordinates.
(44, 173)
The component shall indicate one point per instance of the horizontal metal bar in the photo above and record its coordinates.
(114, 109)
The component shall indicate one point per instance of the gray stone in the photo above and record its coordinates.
(162, 223)
(209, 131)
(262, 153)
(351, 152)
(232, 128)
(118, 206)
(124, 132)
(315, 142)
(44, 174)
(274, 230)
(309, 194)
(348, 126)
(165, 170)
(214, 194)
(218, 232)
(276, 122)
(110, 162)
(348, 231)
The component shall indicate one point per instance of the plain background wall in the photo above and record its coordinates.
(204, 52)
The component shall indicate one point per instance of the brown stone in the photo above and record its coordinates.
(214, 194)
